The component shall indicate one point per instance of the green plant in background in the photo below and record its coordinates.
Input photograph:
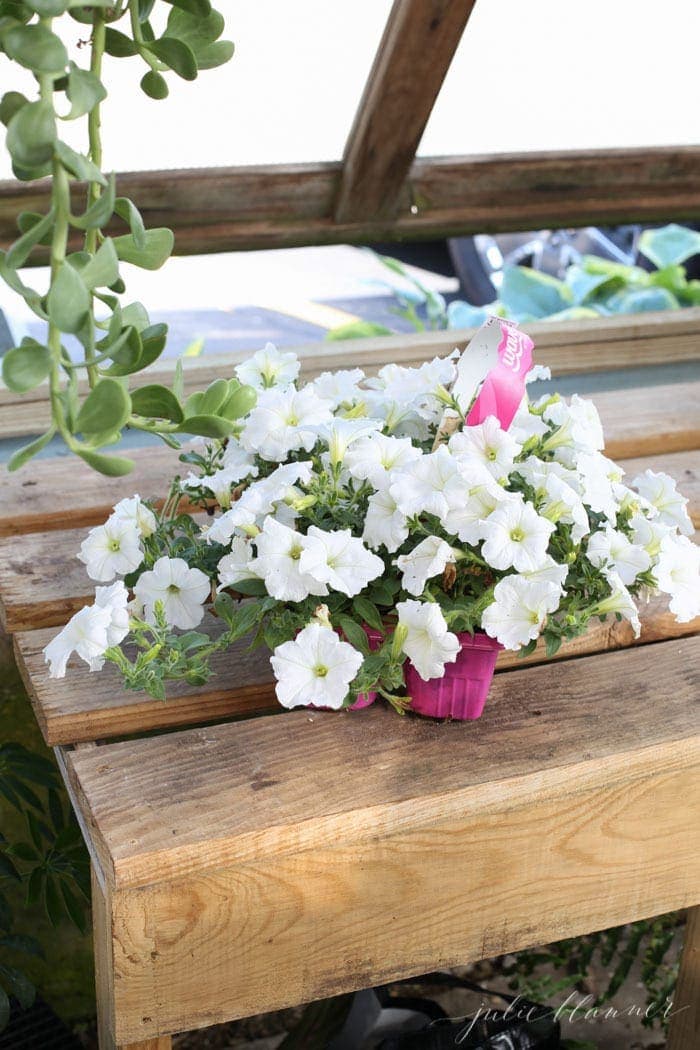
(553, 971)
(593, 287)
(83, 300)
(50, 861)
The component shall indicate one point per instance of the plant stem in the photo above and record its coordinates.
(95, 154)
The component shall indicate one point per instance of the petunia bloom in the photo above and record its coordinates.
(182, 591)
(112, 549)
(315, 668)
(429, 645)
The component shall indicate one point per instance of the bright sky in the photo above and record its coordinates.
(541, 74)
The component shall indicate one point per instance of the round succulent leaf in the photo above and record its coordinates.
(36, 232)
(239, 403)
(68, 301)
(118, 44)
(156, 402)
(176, 55)
(107, 407)
(84, 91)
(154, 85)
(195, 31)
(206, 426)
(216, 54)
(100, 211)
(128, 211)
(157, 249)
(112, 466)
(25, 366)
(11, 103)
(200, 8)
(213, 397)
(77, 164)
(102, 269)
(27, 452)
(36, 48)
(48, 8)
(31, 135)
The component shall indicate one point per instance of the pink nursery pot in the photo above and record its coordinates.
(461, 693)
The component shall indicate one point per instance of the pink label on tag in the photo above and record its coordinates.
(504, 386)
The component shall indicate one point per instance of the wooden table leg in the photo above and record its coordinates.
(684, 1033)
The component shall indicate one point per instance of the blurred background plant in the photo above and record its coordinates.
(592, 286)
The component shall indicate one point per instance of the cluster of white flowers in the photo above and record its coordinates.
(341, 491)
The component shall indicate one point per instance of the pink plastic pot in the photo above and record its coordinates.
(461, 693)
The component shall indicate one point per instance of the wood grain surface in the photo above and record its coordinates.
(85, 706)
(166, 805)
(684, 1033)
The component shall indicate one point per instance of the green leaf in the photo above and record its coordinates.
(238, 403)
(642, 300)
(78, 165)
(357, 330)
(103, 268)
(8, 870)
(112, 466)
(176, 55)
(213, 398)
(128, 211)
(74, 907)
(354, 634)
(118, 44)
(154, 85)
(31, 135)
(36, 48)
(84, 91)
(22, 942)
(34, 884)
(216, 54)
(195, 31)
(4, 1008)
(206, 426)
(251, 588)
(25, 366)
(54, 906)
(100, 211)
(68, 300)
(368, 612)
(20, 985)
(21, 249)
(153, 341)
(11, 103)
(669, 245)
(159, 245)
(201, 8)
(156, 402)
(528, 294)
(24, 454)
(107, 407)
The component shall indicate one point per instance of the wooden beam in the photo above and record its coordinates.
(684, 1033)
(567, 347)
(284, 206)
(418, 45)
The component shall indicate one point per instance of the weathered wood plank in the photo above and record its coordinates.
(146, 798)
(567, 347)
(414, 54)
(275, 206)
(57, 492)
(684, 1033)
(84, 706)
(421, 891)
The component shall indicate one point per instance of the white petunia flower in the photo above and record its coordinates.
(526, 424)
(238, 518)
(116, 599)
(648, 533)
(538, 373)
(519, 610)
(471, 504)
(562, 503)
(611, 550)
(112, 549)
(182, 591)
(487, 444)
(278, 562)
(385, 525)
(315, 668)
(86, 634)
(238, 461)
(428, 643)
(340, 434)
(235, 566)
(399, 418)
(133, 509)
(372, 458)
(517, 536)
(577, 423)
(660, 489)
(598, 477)
(268, 368)
(549, 572)
(342, 387)
(426, 560)
(619, 601)
(678, 574)
(284, 421)
(221, 484)
(260, 499)
(425, 485)
(340, 560)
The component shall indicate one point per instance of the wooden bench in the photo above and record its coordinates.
(243, 864)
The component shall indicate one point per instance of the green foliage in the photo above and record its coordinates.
(555, 970)
(85, 283)
(592, 288)
(50, 862)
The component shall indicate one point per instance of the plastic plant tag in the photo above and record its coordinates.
(491, 372)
